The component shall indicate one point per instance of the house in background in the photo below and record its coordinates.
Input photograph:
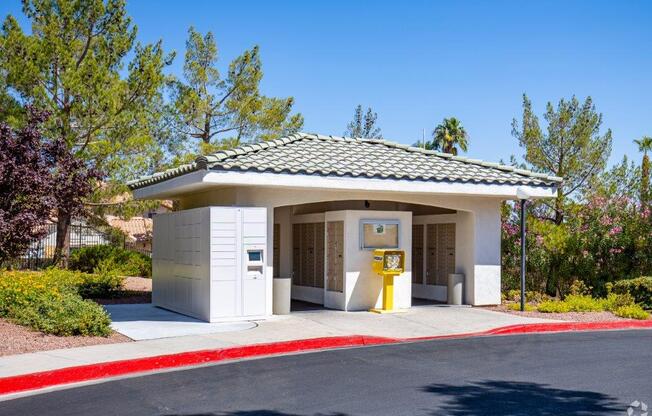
(138, 229)
(311, 208)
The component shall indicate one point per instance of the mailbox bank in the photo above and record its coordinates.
(209, 262)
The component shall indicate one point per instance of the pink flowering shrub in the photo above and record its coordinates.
(601, 240)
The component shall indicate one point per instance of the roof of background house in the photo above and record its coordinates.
(136, 228)
(315, 154)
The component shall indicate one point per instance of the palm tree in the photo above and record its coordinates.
(645, 145)
(448, 136)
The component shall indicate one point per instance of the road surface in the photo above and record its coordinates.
(590, 373)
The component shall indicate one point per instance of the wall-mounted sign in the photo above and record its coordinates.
(379, 234)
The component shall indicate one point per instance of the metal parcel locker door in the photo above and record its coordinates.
(254, 248)
(238, 262)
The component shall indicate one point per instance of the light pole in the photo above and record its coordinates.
(523, 196)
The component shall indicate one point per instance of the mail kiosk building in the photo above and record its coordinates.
(311, 209)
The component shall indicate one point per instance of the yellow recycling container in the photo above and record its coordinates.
(388, 263)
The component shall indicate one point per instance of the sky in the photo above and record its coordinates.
(416, 62)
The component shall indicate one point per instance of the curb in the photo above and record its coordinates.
(90, 372)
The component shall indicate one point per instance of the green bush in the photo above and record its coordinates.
(640, 288)
(63, 314)
(51, 302)
(614, 301)
(102, 284)
(125, 262)
(553, 306)
(584, 303)
(632, 312)
(517, 307)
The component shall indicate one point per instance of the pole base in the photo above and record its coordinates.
(384, 311)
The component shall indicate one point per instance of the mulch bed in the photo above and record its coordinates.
(17, 339)
(568, 316)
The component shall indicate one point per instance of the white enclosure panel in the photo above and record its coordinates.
(224, 299)
(203, 265)
(254, 297)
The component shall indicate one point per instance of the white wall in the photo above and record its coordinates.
(362, 286)
(180, 262)
(478, 249)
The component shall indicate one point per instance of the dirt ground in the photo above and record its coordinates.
(569, 316)
(17, 339)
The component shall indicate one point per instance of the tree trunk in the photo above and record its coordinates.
(62, 249)
(559, 207)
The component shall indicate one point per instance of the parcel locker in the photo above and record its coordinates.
(211, 263)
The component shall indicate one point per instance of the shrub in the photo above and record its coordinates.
(125, 262)
(578, 287)
(640, 288)
(517, 307)
(583, 303)
(63, 314)
(614, 301)
(513, 295)
(553, 306)
(632, 312)
(102, 284)
(51, 302)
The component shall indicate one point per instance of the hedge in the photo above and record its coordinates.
(640, 288)
(124, 262)
(52, 302)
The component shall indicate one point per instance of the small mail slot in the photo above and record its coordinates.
(255, 269)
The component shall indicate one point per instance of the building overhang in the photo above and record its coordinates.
(206, 179)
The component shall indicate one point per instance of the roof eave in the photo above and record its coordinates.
(203, 179)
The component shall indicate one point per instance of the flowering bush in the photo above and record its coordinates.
(51, 302)
(601, 240)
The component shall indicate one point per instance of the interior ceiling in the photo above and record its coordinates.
(370, 205)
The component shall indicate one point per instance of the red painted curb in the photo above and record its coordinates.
(34, 381)
(90, 372)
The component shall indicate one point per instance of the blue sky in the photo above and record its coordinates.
(416, 62)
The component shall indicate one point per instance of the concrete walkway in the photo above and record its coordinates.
(144, 321)
(419, 321)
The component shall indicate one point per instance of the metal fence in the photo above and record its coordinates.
(41, 251)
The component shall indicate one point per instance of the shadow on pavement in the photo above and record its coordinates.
(520, 399)
(253, 413)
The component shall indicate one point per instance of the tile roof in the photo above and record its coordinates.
(136, 228)
(315, 154)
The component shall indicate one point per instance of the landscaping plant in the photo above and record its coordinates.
(52, 301)
(122, 262)
(640, 288)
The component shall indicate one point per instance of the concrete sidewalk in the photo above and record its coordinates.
(419, 321)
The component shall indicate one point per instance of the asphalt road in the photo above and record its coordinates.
(597, 373)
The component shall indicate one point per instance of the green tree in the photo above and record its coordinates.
(448, 137)
(74, 65)
(209, 110)
(363, 124)
(571, 147)
(645, 145)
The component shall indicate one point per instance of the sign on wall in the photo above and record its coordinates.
(379, 234)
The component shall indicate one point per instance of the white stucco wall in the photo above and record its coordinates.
(363, 287)
(477, 232)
